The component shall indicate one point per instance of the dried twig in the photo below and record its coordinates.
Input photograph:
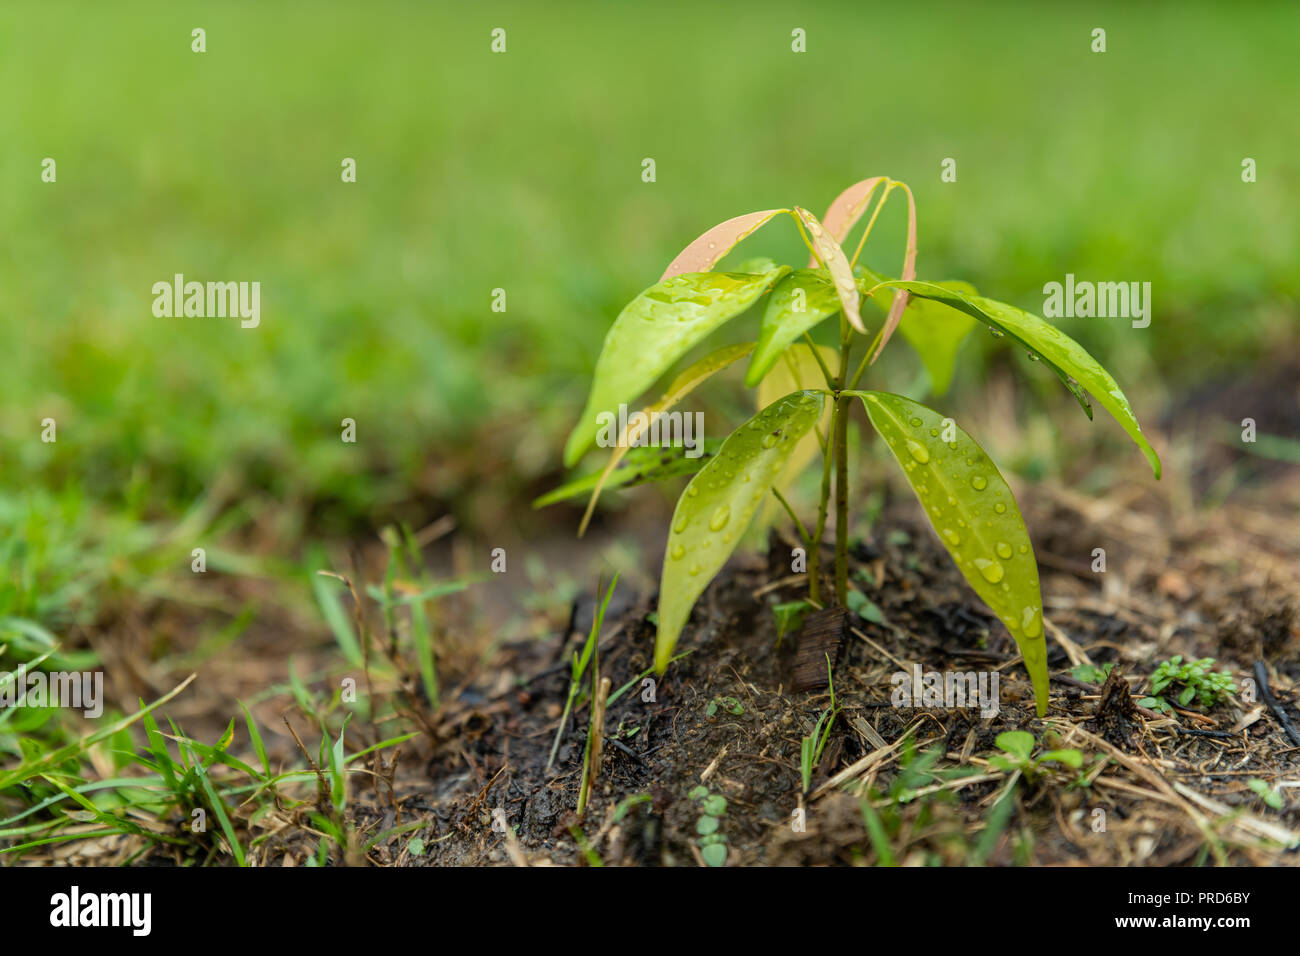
(1266, 692)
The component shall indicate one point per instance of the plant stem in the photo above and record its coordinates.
(840, 433)
(866, 359)
(842, 499)
(815, 546)
(816, 354)
(889, 186)
(803, 532)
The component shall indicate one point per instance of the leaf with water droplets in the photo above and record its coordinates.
(832, 256)
(937, 331)
(909, 271)
(653, 331)
(1066, 357)
(717, 506)
(848, 207)
(641, 465)
(960, 488)
(685, 383)
(798, 302)
(880, 289)
(797, 369)
(706, 251)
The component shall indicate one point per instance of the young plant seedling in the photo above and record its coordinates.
(1091, 673)
(578, 667)
(726, 704)
(1271, 796)
(712, 842)
(811, 747)
(789, 617)
(805, 396)
(1017, 748)
(1194, 681)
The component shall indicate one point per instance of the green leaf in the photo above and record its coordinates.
(1071, 758)
(1268, 794)
(841, 273)
(1066, 357)
(798, 368)
(847, 208)
(937, 332)
(715, 854)
(709, 248)
(717, 506)
(798, 303)
(638, 426)
(909, 268)
(864, 607)
(640, 465)
(653, 331)
(756, 265)
(1091, 674)
(1018, 743)
(971, 507)
(789, 616)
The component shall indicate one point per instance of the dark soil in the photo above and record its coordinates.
(1168, 789)
(1203, 564)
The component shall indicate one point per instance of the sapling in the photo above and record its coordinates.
(806, 394)
(713, 844)
(811, 747)
(1017, 748)
(1195, 680)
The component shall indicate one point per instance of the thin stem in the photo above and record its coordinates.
(803, 532)
(815, 548)
(830, 379)
(866, 359)
(889, 186)
(841, 434)
(804, 236)
(821, 438)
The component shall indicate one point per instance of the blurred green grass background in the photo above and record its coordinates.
(522, 171)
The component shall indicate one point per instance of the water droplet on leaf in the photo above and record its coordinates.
(1030, 622)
